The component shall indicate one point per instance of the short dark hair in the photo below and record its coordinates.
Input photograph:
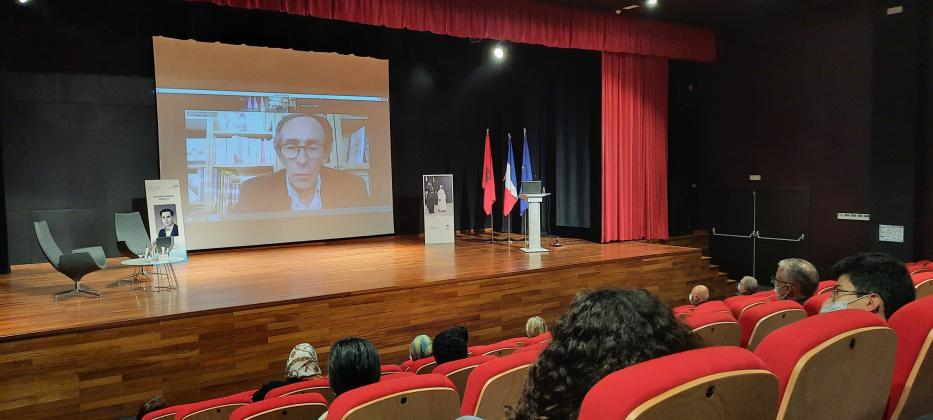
(353, 362)
(449, 345)
(328, 131)
(172, 212)
(603, 332)
(153, 404)
(462, 332)
(881, 274)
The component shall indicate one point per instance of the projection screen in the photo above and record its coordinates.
(274, 145)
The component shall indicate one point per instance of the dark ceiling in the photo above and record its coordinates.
(713, 13)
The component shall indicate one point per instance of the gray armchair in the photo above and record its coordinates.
(132, 240)
(75, 265)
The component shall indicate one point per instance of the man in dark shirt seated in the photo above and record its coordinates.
(450, 345)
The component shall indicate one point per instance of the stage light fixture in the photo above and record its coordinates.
(22, 1)
(498, 52)
(651, 3)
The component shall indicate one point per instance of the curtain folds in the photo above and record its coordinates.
(521, 21)
(634, 161)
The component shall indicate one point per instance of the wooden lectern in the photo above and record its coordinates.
(534, 222)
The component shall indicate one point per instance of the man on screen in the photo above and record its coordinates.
(169, 228)
(302, 143)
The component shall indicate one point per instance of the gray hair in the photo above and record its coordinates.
(748, 284)
(802, 273)
(535, 326)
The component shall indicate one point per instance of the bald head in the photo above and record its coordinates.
(699, 294)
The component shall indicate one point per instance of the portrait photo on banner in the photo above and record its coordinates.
(438, 195)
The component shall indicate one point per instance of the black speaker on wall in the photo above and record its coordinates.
(678, 206)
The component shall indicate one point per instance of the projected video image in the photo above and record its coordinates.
(272, 145)
(282, 155)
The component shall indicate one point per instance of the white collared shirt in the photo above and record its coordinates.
(296, 200)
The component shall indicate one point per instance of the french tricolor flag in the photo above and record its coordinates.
(510, 195)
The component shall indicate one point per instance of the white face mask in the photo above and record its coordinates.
(838, 305)
(693, 300)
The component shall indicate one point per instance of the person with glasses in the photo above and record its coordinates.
(796, 279)
(302, 143)
(874, 282)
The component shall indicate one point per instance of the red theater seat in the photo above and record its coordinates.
(390, 369)
(501, 348)
(923, 283)
(912, 387)
(709, 383)
(760, 320)
(427, 396)
(825, 286)
(395, 376)
(765, 294)
(832, 366)
(682, 310)
(738, 304)
(419, 366)
(319, 386)
(540, 338)
(536, 347)
(459, 370)
(814, 304)
(711, 306)
(496, 384)
(714, 328)
(217, 408)
(301, 406)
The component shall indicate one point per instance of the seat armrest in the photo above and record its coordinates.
(95, 252)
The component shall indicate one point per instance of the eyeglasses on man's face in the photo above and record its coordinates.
(838, 292)
(291, 150)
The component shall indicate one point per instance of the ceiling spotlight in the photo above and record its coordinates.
(498, 52)
(651, 3)
(22, 1)
(630, 7)
(618, 11)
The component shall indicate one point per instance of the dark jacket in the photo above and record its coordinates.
(268, 192)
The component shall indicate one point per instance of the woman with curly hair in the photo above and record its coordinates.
(603, 331)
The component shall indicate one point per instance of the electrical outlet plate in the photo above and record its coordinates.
(862, 217)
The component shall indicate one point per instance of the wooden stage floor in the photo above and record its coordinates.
(236, 314)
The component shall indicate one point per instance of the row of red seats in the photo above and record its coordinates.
(844, 364)
(485, 381)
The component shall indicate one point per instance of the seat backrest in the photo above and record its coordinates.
(300, 406)
(814, 303)
(49, 248)
(846, 357)
(131, 231)
(395, 376)
(714, 328)
(214, 409)
(923, 283)
(543, 337)
(427, 396)
(912, 386)
(760, 320)
(459, 370)
(424, 365)
(500, 348)
(711, 306)
(738, 304)
(709, 383)
(536, 347)
(765, 294)
(496, 384)
(824, 286)
(317, 386)
(390, 369)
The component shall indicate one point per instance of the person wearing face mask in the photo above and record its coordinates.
(698, 295)
(874, 282)
(796, 279)
(747, 286)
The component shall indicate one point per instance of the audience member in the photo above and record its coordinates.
(748, 285)
(353, 362)
(603, 332)
(535, 326)
(449, 345)
(153, 404)
(796, 279)
(698, 295)
(878, 283)
(462, 332)
(301, 365)
(421, 347)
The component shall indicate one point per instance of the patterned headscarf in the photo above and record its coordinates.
(421, 347)
(302, 362)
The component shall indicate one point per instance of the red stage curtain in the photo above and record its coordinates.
(521, 21)
(634, 147)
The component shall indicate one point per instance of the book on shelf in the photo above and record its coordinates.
(244, 151)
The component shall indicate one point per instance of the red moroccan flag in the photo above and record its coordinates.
(489, 180)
